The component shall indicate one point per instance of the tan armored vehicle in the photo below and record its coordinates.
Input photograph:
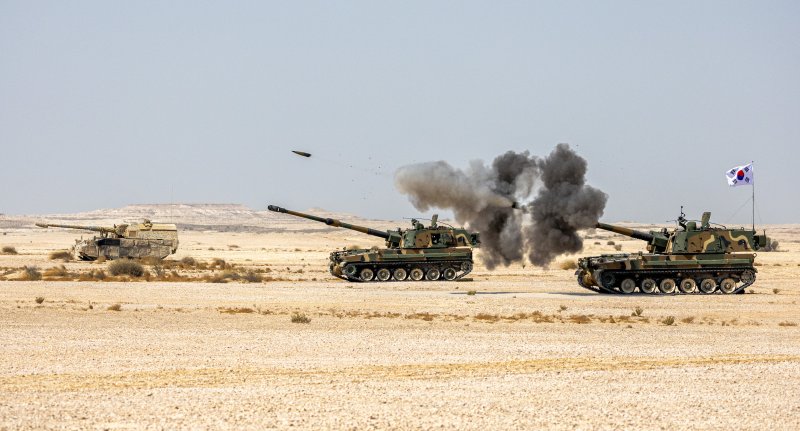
(134, 241)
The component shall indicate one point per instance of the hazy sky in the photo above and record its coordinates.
(105, 103)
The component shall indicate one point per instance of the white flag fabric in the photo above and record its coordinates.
(740, 176)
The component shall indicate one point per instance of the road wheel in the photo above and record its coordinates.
(627, 286)
(350, 270)
(748, 276)
(667, 286)
(400, 274)
(449, 274)
(383, 274)
(708, 285)
(687, 285)
(433, 274)
(466, 266)
(366, 274)
(727, 285)
(416, 274)
(648, 285)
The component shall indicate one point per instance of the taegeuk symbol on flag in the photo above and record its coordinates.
(740, 175)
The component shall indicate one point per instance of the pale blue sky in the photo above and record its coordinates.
(108, 103)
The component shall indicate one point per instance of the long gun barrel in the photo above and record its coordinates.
(73, 226)
(644, 236)
(331, 222)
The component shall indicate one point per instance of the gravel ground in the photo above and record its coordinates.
(529, 350)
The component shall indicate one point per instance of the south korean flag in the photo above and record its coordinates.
(740, 175)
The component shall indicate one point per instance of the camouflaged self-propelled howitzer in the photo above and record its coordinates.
(689, 259)
(134, 241)
(421, 253)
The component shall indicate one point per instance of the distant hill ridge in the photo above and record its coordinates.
(198, 216)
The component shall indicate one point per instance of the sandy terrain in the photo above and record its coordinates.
(530, 349)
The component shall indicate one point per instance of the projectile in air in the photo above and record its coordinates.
(302, 153)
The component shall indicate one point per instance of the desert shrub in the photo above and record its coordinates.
(562, 308)
(56, 271)
(99, 274)
(126, 267)
(189, 261)
(252, 277)
(64, 255)
(669, 320)
(597, 243)
(236, 310)
(772, 245)
(618, 247)
(689, 319)
(115, 307)
(219, 263)
(300, 318)
(610, 243)
(9, 250)
(637, 311)
(580, 318)
(471, 293)
(233, 246)
(31, 273)
(39, 299)
(568, 264)
(787, 323)
(776, 291)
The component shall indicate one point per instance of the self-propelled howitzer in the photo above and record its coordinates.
(420, 253)
(688, 259)
(138, 240)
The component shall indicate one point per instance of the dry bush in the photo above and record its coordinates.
(597, 243)
(689, 319)
(562, 308)
(300, 318)
(423, 316)
(610, 243)
(787, 323)
(64, 255)
(637, 312)
(252, 277)
(618, 247)
(580, 318)
(776, 291)
(236, 310)
(211, 249)
(115, 307)
(568, 264)
(126, 267)
(31, 273)
(471, 293)
(39, 299)
(189, 261)
(9, 250)
(218, 263)
(56, 271)
(233, 246)
(491, 318)
(669, 320)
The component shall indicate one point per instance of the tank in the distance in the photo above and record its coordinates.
(434, 252)
(133, 241)
(695, 257)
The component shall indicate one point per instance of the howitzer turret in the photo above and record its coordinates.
(139, 240)
(429, 253)
(691, 258)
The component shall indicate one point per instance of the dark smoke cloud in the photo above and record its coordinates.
(481, 198)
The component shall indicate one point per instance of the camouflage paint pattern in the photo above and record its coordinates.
(438, 251)
(689, 256)
(140, 240)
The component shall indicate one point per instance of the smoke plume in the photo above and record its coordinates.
(538, 227)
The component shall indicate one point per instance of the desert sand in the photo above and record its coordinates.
(514, 348)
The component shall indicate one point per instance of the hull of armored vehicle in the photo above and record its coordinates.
(401, 264)
(704, 273)
(116, 248)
